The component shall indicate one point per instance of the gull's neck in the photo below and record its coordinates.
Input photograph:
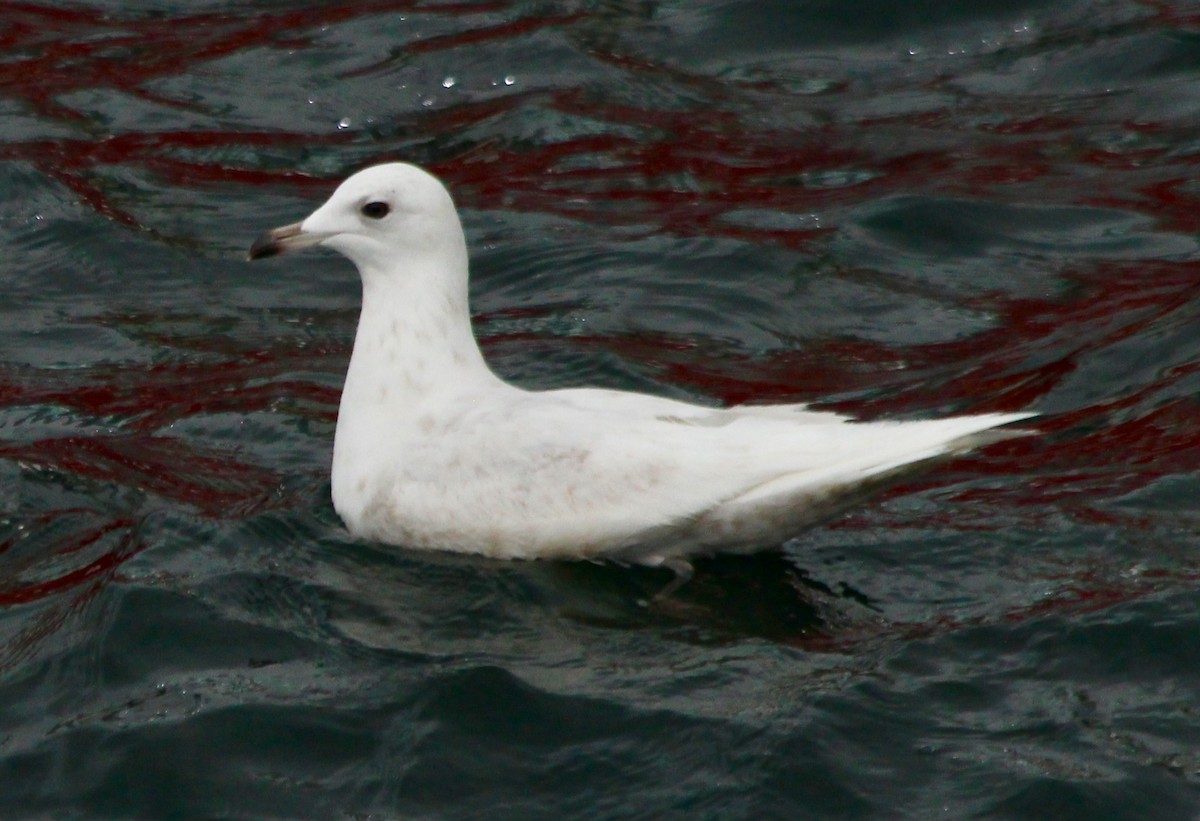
(414, 340)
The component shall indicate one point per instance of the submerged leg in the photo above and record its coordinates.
(683, 574)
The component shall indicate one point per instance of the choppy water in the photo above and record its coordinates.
(893, 210)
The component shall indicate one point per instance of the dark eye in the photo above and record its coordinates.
(375, 210)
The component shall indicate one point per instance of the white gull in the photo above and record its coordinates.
(434, 451)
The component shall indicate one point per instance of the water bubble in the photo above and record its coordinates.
(343, 123)
(509, 80)
(448, 82)
(428, 102)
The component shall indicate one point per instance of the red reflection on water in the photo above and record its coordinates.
(58, 50)
(147, 398)
(104, 564)
(62, 574)
(215, 484)
(142, 402)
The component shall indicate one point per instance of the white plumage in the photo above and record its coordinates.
(434, 451)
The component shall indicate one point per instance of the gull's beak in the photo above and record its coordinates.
(287, 238)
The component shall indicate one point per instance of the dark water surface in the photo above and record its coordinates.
(890, 209)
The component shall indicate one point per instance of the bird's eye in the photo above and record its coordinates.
(375, 210)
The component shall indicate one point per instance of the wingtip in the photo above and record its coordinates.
(998, 431)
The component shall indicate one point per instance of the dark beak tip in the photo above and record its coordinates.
(262, 252)
(263, 247)
(277, 240)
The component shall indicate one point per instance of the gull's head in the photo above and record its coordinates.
(378, 218)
